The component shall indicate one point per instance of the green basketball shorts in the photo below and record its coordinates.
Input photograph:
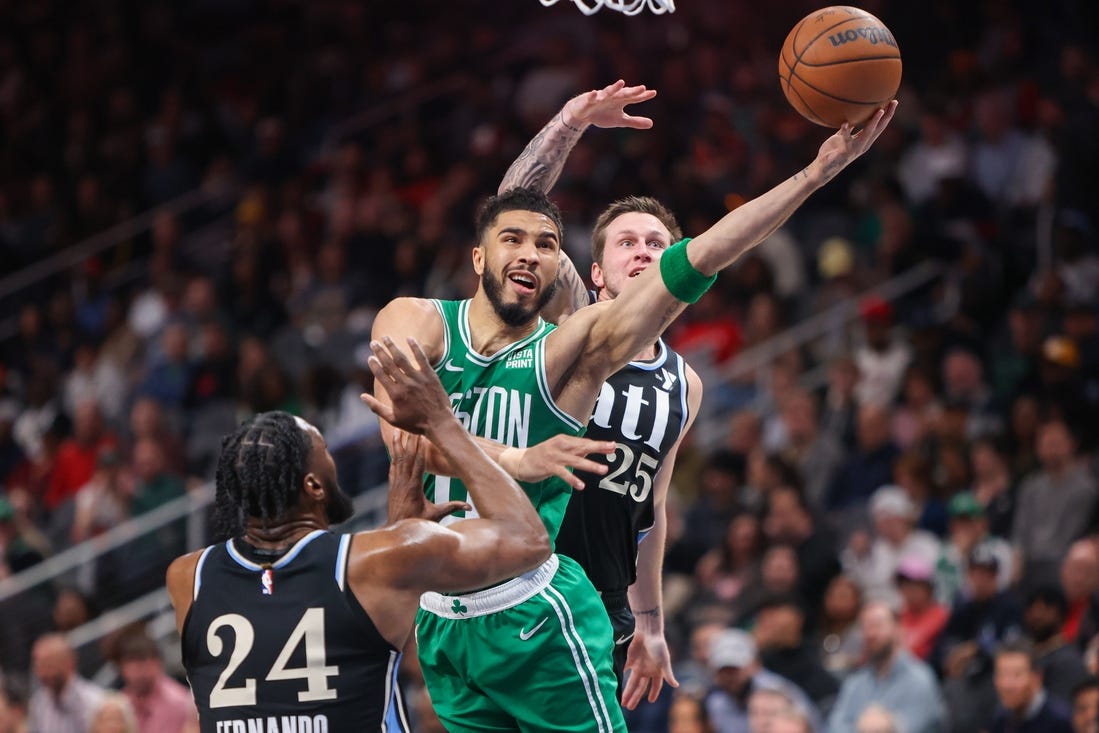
(532, 654)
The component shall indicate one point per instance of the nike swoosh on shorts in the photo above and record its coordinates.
(524, 634)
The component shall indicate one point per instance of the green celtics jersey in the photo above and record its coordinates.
(505, 398)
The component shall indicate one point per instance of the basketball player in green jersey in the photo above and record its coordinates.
(534, 653)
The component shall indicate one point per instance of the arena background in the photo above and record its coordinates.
(202, 205)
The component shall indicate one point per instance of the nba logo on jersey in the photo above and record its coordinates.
(267, 580)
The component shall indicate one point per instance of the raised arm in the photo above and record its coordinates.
(540, 164)
(607, 335)
(389, 568)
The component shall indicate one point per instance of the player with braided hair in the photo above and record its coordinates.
(289, 626)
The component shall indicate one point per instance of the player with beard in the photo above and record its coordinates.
(536, 652)
(645, 408)
(289, 626)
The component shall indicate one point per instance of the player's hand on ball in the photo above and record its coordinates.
(648, 665)
(606, 107)
(838, 151)
(554, 457)
(406, 476)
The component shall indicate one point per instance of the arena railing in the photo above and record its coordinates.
(750, 366)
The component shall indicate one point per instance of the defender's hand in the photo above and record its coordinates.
(406, 483)
(554, 457)
(606, 107)
(649, 664)
(415, 392)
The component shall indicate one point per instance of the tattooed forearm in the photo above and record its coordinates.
(540, 164)
(648, 612)
(803, 173)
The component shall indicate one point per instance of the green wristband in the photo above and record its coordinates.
(680, 277)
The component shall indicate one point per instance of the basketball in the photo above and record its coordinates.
(839, 64)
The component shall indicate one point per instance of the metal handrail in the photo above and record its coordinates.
(818, 324)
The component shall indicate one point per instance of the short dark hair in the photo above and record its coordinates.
(1050, 595)
(781, 600)
(1085, 685)
(260, 471)
(629, 205)
(517, 199)
(1020, 647)
(136, 645)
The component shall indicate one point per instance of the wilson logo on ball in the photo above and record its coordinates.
(872, 34)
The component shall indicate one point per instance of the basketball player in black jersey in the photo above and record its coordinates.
(645, 408)
(289, 627)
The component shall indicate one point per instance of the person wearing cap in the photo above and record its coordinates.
(984, 619)
(738, 672)
(873, 563)
(882, 359)
(968, 527)
(922, 618)
(891, 678)
(1055, 504)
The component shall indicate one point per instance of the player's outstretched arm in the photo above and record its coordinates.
(648, 660)
(607, 335)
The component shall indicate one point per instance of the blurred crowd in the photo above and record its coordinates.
(889, 528)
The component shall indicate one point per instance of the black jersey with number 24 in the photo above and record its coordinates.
(285, 647)
(643, 409)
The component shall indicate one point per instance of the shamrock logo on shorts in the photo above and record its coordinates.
(458, 607)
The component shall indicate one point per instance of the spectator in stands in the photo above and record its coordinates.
(687, 714)
(883, 358)
(964, 383)
(840, 638)
(115, 714)
(1085, 707)
(1055, 504)
(737, 673)
(78, 455)
(105, 501)
(730, 573)
(870, 467)
(783, 649)
(817, 454)
(169, 368)
(1025, 706)
(1080, 583)
(96, 378)
(65, 702)
(765, 706)
(154, 484)
(913, 472)
(160, 704)
(921, 618)
(21, 544)
(718, 501)
(839, 412)
(789, 520)
(940, 152)
(968, 528)
(13, 706)
(891, 678)
(876, 719)
(1061, 663)
(914, 418)
(872, 563)
(986, 617)
(993, 485)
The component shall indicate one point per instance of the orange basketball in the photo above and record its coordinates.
(839, 64)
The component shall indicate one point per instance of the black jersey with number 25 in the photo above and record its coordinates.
(642, 408)
(285, 647)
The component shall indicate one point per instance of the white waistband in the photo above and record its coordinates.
(499, 597)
